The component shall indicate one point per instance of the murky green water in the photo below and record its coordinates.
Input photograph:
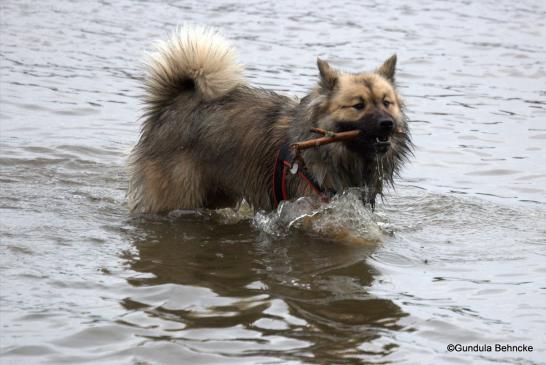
(456, 255)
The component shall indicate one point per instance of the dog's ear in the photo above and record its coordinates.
(328, 75)
(388, 68)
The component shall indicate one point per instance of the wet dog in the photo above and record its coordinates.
(210, 140)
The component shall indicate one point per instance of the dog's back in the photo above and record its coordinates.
(206, 136)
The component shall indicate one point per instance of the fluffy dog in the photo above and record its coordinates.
(210, 140)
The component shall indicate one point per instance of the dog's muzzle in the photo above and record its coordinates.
(385, 129)
(376, 133)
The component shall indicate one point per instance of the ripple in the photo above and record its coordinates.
(492, 172)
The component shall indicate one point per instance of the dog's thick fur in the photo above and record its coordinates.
(210, 140)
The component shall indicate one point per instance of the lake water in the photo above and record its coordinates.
(455, 255)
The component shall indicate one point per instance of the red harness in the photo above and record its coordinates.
(283, 164)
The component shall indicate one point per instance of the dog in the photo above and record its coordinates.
(210, 140)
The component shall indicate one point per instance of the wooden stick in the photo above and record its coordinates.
(324, 132)
(329, 137)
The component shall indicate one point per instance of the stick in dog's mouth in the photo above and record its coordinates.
(331, 137)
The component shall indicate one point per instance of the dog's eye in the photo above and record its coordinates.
(386, 103)
(359, 106)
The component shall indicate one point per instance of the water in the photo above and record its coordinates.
(456, 254)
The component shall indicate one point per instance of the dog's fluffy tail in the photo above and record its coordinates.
(196, 59)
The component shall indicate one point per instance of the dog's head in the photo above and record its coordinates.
(370, 103)
(367, 102)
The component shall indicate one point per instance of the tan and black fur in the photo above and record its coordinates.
(210, 140)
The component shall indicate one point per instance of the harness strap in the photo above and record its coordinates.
(282, 164)
(277, 181)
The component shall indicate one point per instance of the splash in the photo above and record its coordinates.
(344, 219)
(242, 212)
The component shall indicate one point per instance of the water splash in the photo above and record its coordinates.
(344, 218)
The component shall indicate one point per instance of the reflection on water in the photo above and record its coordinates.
(455, 254)
(310, 295)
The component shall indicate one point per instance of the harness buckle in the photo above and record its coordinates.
(294, 168)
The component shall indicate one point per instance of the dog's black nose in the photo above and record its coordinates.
(386, 125)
